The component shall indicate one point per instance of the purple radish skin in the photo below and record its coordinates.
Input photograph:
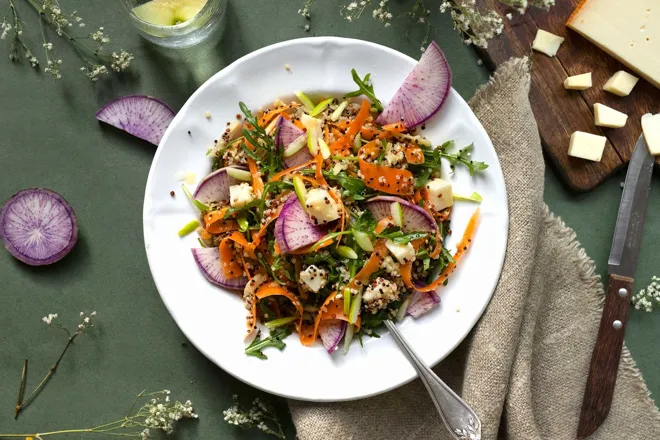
(38, 227)
(415, 219)
(423, 92)
(422, 303)
(140, 115)
(208, 261)
(215, 187)
(287, 133)
(293, 227)
(331, 334)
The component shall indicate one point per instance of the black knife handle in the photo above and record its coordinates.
(605, 357)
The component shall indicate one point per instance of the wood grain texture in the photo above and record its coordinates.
(605, 357)
(560, 112)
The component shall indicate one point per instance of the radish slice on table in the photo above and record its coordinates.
(415, 219)
(208, 260)
(142, 116)
(294, 229)
(38, 226)
(423, 92)
(215, 187)
(331, 334)
(421, 303)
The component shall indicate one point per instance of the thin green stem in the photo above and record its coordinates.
(21, 389)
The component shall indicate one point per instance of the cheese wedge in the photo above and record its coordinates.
(651, 128)
(605, 116)
(578, 82)
(629, 30)
(621, 83)
(587, 146)
(547, 43)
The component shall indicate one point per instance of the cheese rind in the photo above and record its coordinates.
(621, 83)
(547, 43)
(578, 82)
(651, 128)
(605, 116)
(629, 30)
(587, 146)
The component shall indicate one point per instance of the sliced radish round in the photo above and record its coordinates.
(423, 92)
(215, 187)
(421, 303)
(303, 155)
(287, 133)
(208, 260)
(294, 229)
(142, 116)
(331, 334)
(415, 219)
(38, 226)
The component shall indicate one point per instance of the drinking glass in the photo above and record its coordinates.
(180, 35)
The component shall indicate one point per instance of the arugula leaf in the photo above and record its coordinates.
(463, 157)
(265, 152)
(365, 223)
(398, 236)
(273, 340)
(422, 177)
(365, 88)
(351, 184)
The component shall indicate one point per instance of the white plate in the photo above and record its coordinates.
(214, 320)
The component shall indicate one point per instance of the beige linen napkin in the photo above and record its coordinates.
(524, 366)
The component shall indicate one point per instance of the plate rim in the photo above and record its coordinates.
(181, 114)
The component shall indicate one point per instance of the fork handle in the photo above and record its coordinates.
(605, 357)
(458, 417)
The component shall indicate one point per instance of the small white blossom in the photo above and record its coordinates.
(649, 297)
(49, 319)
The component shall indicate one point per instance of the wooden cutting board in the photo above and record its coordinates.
(561, 112)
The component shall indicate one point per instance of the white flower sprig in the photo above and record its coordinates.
(649, 297)
(94, 56)
(259, 416)
(477, 27)
(158, 413)
(84, 324)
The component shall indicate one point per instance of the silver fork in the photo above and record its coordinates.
(458, 417)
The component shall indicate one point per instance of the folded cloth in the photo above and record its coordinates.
(524, 366)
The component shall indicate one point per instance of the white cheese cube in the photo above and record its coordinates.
(314, 277)
(578, 82)
(547, 43)
(320, 206)
(402, 252)
(440, 194)
(587, 146)
(621, 83)
(651, 127)
(608, 117)
(240, 195)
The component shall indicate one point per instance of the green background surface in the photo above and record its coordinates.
(50, 139)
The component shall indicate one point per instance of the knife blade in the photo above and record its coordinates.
(621, 269)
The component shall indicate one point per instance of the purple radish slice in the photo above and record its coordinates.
(215, 187)
(208, 260)
(331, 334)
(421, 303)
(38, 226)
(423, 92)
(142, 116)
(415, 219)
(303, 155)
(287, 133)
(294, 229)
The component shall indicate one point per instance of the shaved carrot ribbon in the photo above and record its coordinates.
(257, 183)
(274, 289)
(387, 179)
(461, 249)
(309, 333)
(414, 155)
(230, 267)
(215, 223)
(267, 117)
(353, 128)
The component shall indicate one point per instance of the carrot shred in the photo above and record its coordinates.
(369, 133)
(309, 333)
(414, 155)
(461, 249)
(353, 128)
(214, 222)
(299, 124)
(283, 173)
(257, 183)
(230, 267)
(396, 127)
(386, 179)
(267, 117)
(274, 289)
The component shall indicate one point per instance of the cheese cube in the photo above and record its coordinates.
(240, 195)
(629, 30)
(608, 117)
(402, 252)
(651, 128)
(621, 83)
(320, 206)
(578, 82)
(314, 277)
(440, 194)
(547, 43)
(587, 146)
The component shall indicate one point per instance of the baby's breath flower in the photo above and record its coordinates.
(260, 416)
(94, 72)
(49, 319)
(477, 27)
(121, 61)
(649, 297)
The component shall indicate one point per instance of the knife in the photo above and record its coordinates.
(621, 269)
